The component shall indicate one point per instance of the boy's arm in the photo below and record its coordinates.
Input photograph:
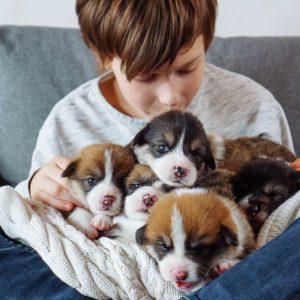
(45, 182)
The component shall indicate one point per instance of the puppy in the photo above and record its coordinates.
(176, 147)
(232, 154)
(143, 190)
(193, 233)
(96, 176)
(261, 186)
(218, 180)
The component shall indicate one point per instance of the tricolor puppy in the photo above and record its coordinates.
(261, 186)
(96, 176)
(192, 234)
(176, 147)
(143, 190)
(232, 154)
(218, 180)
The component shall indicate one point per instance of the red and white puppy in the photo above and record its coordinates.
(96, 177)
(193, 233)
(143, 190)
(176, 147)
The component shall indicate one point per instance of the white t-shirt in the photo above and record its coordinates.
(228, 104)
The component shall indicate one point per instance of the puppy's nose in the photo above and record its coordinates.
(179, 274)
(109, 200)
(149, 200)
(181, 172)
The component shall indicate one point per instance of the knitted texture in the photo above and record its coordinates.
(103, 269)
(106, 268)
(279, 220)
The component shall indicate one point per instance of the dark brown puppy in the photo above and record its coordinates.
(261, 186)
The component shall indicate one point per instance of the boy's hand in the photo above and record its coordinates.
(296, 165)
(48, 186)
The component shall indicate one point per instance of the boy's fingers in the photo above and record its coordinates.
(57, 191)
(61, 162)
(54, 202)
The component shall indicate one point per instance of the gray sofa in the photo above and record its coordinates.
(39, 65)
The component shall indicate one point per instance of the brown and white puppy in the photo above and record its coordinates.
(261, 186)
(143, 190)
(232, 154)
(176, 147)
(96, 177)
(193, 233)
(218, 180)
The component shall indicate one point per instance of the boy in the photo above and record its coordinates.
(156, 52)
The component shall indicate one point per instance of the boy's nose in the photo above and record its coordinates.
(169, 95)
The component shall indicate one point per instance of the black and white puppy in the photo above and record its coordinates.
(261, 186)
(143, 190)
(178, 150)
(96, 177)
(176, 147)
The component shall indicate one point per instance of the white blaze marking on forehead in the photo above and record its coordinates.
(178, 234)
(108, 167)
(179, 147)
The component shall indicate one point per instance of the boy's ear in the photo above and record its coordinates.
(70, 170)
(140, 235)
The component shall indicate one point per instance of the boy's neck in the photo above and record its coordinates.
(110, 91)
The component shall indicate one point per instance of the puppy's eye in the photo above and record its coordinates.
(164, 247)
(135, 185)
(201, 250)
(199, 152)
(162, 148)
(91, 181)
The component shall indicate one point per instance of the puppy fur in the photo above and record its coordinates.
(96, 176)
(232, 154)
(178, 150)
(143, 190)
(193, 233)
(261, 186)
(176, 147)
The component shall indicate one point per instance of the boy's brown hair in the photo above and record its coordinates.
(144, 34)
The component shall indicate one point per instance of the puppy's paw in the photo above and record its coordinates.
(222, 267)
(91, 233)
(102, 222)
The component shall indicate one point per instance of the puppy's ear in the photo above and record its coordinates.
(229, 236)
(139, 139)
(209, 159)
(70, 170)
(140, 235)
(297, 176)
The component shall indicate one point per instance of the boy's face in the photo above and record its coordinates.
(170, 87)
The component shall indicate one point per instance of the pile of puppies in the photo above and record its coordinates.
(195, 201)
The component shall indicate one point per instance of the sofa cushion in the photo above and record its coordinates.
(274, 62)
(38, 67)
(41, 65)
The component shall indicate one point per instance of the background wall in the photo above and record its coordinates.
(236, 17)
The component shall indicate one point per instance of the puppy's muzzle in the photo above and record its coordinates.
(179, 274)
(181, 172)
(149, 200)
(108, 200)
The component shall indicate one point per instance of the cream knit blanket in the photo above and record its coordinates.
(106, 269)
